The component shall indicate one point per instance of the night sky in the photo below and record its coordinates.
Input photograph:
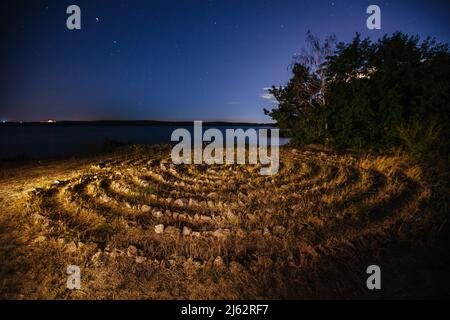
(174, 60)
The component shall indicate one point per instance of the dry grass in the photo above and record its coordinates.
(229, 233)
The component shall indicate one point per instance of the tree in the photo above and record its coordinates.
(392, 92)
(301, 100)
(314, 57)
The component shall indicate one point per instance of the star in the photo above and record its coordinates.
(97, 19)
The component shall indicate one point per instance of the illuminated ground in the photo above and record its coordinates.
(140, 227)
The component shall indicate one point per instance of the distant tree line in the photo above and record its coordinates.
(394, 92)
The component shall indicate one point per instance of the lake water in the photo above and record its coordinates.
(49, 141)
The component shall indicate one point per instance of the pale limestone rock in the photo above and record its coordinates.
(159, 228)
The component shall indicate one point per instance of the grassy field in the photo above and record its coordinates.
(140, 227)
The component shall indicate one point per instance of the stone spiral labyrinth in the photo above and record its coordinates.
(149, 212)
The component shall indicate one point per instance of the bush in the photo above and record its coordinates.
(421, 140)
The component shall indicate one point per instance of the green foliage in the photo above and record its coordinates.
(393, 92)
(421, 140)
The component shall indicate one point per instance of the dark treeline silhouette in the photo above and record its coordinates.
(390, 93)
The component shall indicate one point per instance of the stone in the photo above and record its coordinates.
(116, 253)
(172, 231)
(230, 215)
(218, 262)
(132, 251)
(157, 214)
(71, 247)
(96, 258)
(212, 195)
(279, 230)
(140, 259)
(186, 231)
(40, 239)
(179, 202)
(159, 228)
(192, 202)
(221, 233)
(145, 208)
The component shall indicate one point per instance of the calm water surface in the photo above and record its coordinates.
(47, 141)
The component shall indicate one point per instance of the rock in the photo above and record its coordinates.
(186, 231)
(96, 258)
(179, 202)
(157, 214)
(235, 267)
(171, 262)
(105, 198)
(279, 230)
(140, 259)
(212, 195)
(197, 262)
(172, 231)
(40, 239)
(71, 247)
(221, 233)
(230, 215)
(132, 251)
(116, 253)
(159, 228)
(192, 202)
(241, 233)
(218, 262)
(40, 219)
(145, 208)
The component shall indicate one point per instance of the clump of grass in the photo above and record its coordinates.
(422, 140)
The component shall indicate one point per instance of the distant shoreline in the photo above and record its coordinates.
(133, 123)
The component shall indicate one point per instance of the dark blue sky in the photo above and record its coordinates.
(174, 60)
